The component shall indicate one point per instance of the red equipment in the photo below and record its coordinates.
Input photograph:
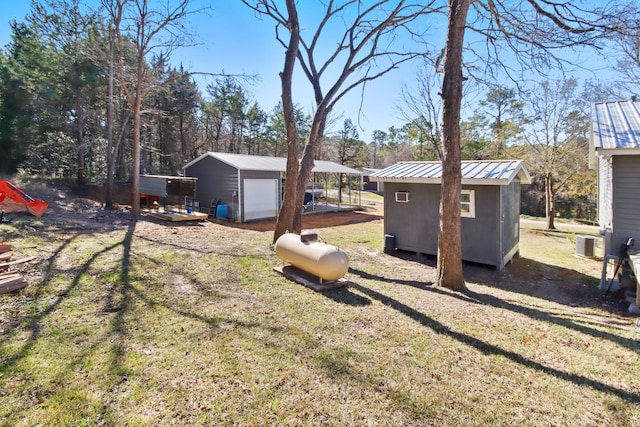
(13, 199)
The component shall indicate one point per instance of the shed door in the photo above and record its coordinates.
(260, 198)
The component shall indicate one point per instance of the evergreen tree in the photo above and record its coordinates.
(28, 97)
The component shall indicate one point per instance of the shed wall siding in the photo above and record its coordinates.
(481, 235)
(626, 199)
(415, 224)
(510, 221)
(216, 181)
(153, 185)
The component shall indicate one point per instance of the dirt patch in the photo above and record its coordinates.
(71, 208)
(67, 211)
(317, 220)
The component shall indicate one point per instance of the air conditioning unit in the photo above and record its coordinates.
(585, 246)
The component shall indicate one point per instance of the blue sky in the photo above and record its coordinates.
(232, 39)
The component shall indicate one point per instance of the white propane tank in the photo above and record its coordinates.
(308, 254)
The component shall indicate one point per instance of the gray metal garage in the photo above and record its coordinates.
(249, 187)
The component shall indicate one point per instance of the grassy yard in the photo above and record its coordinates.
(152, 323)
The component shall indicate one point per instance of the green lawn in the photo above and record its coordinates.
(152, 323)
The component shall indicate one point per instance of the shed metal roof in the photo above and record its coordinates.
(177, 178)
(615, 125)
(477, 172)
(270, 164)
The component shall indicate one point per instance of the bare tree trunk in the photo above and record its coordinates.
(108, 191)
(289, 211)
(449, 267)
(135, 206)
(375, 153)
(359, 47)
(550, 202)
(136, 103)
(80, 130)
(183, 140)
(146, 24)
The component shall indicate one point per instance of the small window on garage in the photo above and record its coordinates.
(468, 203)
(402, 196)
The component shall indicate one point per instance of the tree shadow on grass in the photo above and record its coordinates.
(345, 296)
(117, 303)
(536, 279)
(490, 349)
(560, 285)
(413, 283)
(36, 321)
(533, 313)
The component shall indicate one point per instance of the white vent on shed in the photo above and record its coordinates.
(402, 196)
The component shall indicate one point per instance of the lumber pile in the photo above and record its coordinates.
(10, 280)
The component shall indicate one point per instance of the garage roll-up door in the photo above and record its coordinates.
(260, 198)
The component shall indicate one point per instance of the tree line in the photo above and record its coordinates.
(55, 120)
(53, 107)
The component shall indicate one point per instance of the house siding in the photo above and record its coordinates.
(171, 189)
(605, 192)
(626, 200)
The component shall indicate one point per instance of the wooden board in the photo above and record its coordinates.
(179, 216)
(7, 264)
(12, 284)
(308, 279)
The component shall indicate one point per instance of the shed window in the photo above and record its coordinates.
(468, 203)
(402, 196)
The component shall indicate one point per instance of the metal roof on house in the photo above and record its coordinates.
(615, 125)
(270, 164)
(478, 172)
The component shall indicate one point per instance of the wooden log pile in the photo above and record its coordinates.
(10, 280)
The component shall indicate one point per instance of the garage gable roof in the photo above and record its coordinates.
(270, 164)
(478, 172)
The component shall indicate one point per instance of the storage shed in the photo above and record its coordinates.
(168, 189)
(615, 153)
(250, 187)
(489, 208)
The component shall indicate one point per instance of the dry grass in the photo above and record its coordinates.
(151, 323)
